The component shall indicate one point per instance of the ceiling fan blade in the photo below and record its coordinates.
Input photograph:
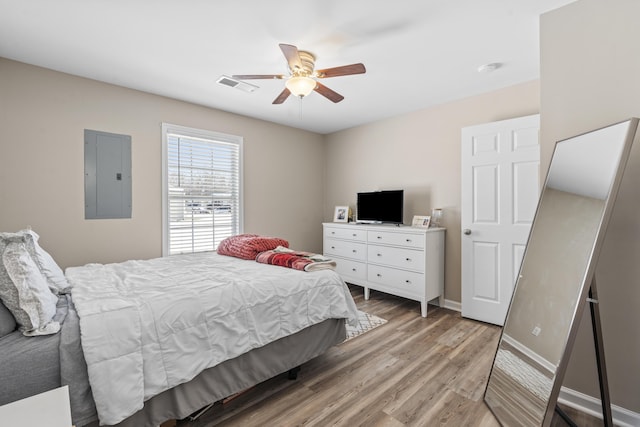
(345, 70)
(293, 58)
(282, 97)
(257, 76)
(328, 93)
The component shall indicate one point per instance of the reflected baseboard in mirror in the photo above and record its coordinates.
(579, 418)
(556, 276)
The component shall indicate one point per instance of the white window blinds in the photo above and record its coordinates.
(202, 189)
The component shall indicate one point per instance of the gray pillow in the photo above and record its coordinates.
(23, 287)
(7, 321)
(27, 295)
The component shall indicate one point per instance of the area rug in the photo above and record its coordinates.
(366, 323)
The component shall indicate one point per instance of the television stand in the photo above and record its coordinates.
(403, 261)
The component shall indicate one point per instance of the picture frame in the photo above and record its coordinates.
(421, 221)
(341, 214)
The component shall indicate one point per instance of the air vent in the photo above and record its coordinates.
(237, 84)
(224, 80)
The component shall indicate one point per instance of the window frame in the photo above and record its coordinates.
(168, 128)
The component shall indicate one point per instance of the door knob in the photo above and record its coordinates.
(466, 231)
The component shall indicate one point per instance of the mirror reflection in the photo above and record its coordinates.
(553, 276)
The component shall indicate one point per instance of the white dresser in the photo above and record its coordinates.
(403, 261)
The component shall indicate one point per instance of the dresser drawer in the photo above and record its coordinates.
(406, 281)
(350, 268)
(345, 249)
(396, 257)
(346, 233)
(410, 240)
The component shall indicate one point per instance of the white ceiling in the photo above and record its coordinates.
(418, 53)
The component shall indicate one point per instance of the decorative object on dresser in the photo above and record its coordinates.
(421, 221)
(436, 217)
(341, 214)
(403, 261)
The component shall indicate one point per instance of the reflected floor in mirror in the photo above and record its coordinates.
(412, 371)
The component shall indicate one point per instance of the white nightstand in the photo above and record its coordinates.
(51, 409)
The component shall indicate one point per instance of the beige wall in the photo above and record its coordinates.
(590, 77)
(420, 153)
(43, 115)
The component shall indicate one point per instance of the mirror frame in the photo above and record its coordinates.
(589, 275)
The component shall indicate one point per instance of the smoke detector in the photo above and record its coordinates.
(487, 68)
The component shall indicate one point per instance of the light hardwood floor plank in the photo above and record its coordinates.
(411, 371)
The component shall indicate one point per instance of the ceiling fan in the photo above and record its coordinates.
(303, 76)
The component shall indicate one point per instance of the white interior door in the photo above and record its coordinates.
(500, 191)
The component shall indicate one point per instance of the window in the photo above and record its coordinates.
(202, 189)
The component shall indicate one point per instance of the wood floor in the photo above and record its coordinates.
(412, 371)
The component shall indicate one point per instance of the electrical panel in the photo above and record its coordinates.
(107, 175)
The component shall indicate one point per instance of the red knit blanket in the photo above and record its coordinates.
(305, 261)
(248, 246)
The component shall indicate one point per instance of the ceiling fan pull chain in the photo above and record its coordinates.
(300, 107)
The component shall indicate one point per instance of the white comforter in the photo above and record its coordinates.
(147, 326)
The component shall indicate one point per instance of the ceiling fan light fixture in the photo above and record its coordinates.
(300, 85)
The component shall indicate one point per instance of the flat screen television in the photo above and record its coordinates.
(380, 207)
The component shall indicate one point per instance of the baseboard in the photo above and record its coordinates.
(550, 367)
(452, 305)
(590, 405)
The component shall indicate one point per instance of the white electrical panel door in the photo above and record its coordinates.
(107, 175)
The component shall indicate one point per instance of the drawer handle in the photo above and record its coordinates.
(408, 282)
(379, 237)
(333, 232)
(379, 275)
(354, 234)
(354, 251)
(408, 240)
(353, 269)
(408, 259)
(333, 247)
(379, 254)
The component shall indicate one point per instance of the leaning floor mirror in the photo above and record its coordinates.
(557, 275)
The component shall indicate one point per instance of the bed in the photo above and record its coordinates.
(132, 331)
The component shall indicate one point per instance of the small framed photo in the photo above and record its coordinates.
(341, 214)
(421, 221)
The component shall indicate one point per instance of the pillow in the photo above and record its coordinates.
(5, 239)
(56, 279)
(7, 321)
(52, 272)
(248, 246)
(27, 296)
